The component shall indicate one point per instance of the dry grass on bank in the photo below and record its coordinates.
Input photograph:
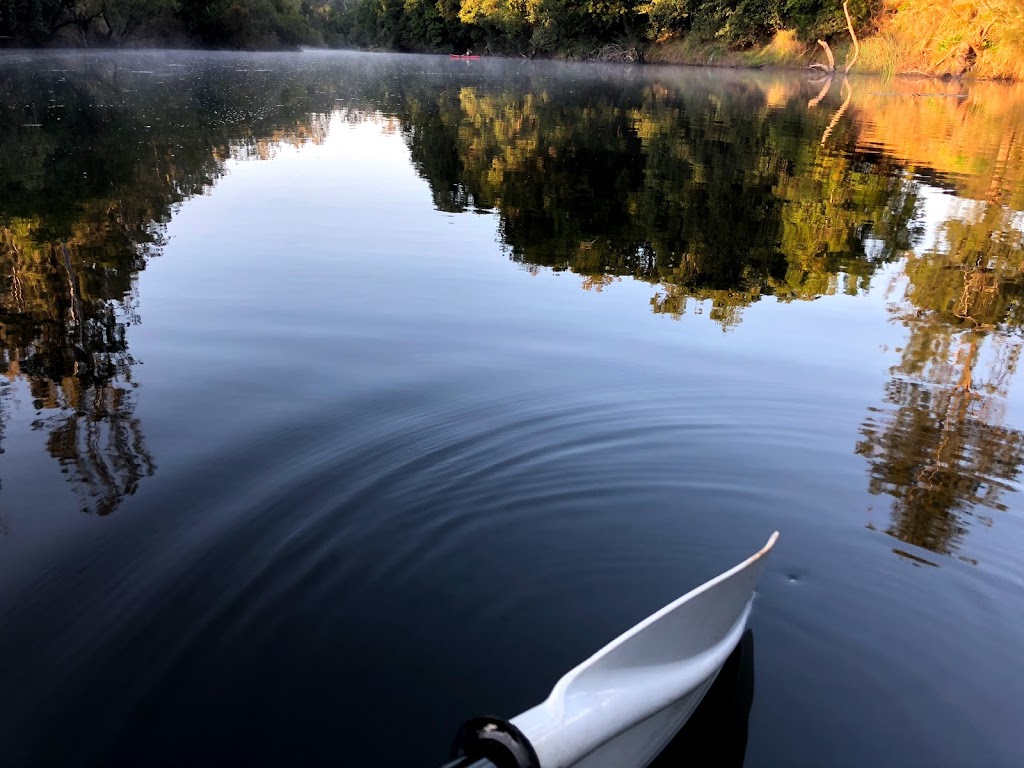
(976, 38)
(981, 38)
(783, 51)
(685, 50)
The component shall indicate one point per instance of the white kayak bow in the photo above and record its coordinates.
(620, 707)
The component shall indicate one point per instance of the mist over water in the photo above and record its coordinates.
(348, 396)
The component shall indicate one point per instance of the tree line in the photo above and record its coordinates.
(237, 24)
(527, 27)
(941, 37)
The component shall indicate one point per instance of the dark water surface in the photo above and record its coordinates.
(347, 396)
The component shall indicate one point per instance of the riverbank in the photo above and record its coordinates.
(901, 46)
(943, 38)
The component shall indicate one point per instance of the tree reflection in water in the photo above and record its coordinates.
(96, 159)
(717, 192)
(941, 449)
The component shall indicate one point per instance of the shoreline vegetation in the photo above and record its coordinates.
(950, 38)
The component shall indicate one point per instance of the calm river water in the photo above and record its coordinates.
(348, 396)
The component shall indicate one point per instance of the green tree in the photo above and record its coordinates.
(124, 19)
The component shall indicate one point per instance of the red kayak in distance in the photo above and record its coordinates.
(462, 56)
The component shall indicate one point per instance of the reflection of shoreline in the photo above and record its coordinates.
(63, 331)
(940, 447)
(714, 193)
(725, 211)
(100, 447)
(4, 406)
(968, 132)
(717, 215)
(78, 374)
(87, 194)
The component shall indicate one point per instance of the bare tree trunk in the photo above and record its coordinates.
(853, 36)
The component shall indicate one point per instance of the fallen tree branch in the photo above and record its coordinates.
(614, 52)
(831, 58)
